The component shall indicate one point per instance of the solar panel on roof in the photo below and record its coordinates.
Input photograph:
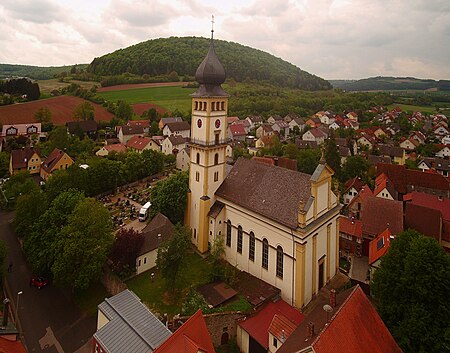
(380, 243)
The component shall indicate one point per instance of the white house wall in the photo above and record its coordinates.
(146, 261)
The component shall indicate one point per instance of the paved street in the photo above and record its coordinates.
(49, 320)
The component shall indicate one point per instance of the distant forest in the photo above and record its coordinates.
(391, 84)
(182, 56)
(35, 72)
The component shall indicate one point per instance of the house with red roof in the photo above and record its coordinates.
(408, 180)
(144, 123)
(269, 328)
(444, 151)
(26, 158)
(355, 207)
(20, 129)
(429, 215)
(139, 144)
(57, 160)
(353, 326)
(350, 236)
(126, 132)
(236, 132)
(116, 147)
(384, 188)
(315, 134)
(191, 337)
(264, 130)
(378, 247)
(352, 188)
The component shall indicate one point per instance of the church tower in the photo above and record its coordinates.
(208, 145)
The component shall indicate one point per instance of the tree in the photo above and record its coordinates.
(124, 110)
(411, 288)
(43, 243)
(29, 208)
(125, 250)
(43, 115)
(3, 255)
(169, 196)
(308, 160)
(332, 155)
(355, 166)
(172, 254)
(84, 111)
(83, 246)
(4, 164)
(19, 184)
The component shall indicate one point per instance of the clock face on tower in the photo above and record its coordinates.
(217, 123)
(199, 123)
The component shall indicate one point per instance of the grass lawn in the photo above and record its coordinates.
(46, 86)
(170, 98)
(88, 299)
(412, 108)
(195, 271)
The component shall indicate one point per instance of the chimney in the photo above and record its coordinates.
(5, 313)
(333, 298)
(310, 329)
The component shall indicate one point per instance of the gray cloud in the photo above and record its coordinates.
(37, 11)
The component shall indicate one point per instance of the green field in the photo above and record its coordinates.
(413, 108)
(170, 98)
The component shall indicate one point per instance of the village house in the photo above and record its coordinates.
(57, 160)
(352, 326)
(155, 233)
(409, 144)
(377, 248)
(355, 206)
(277, 224)
(254, 121)
(236, 132)
(375, 160)
(316, 135)
(439, 165)
(144, 123)
(126, 132)
(83, 127)
(268, 328)
(21, 129)
(264, 130)
(444, 151)
(297, 122)
(397, 154)
(352, 188)
(274, 118)
(165, 121)
(232, 119)
(263, 142)
(384, 188)
(352, 116)
(181, 128)
(26, 158)
(172, 144)
(282, 128)
(106, 150)
(244, 123)
(350, 236)
(183, 159)
(139, 144)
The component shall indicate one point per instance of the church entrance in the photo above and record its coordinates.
(321, 276)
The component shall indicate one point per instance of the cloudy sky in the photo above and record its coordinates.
(334, 39)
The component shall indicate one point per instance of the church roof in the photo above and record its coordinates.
(273, 192)
(210, 75)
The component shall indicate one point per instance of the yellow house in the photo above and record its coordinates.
(57, 160)
(278, 225)
(26, 158)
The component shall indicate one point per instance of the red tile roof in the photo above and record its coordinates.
(425, 220)
(351, 226)
(21, 157)
(191, 337)
(7, 346)
(363, 194)
(379, 214)
(237, 130)
(431, 201)
(356, 328)
(379, 246)
(281, 327)
(52, 160)
(138, 142)
(258, 325)
(232, 119)
(143, 123)
(355, 183)
(117, 147)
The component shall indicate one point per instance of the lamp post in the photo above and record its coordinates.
(17, 305)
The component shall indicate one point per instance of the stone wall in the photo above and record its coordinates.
(111, 282)
(221, 324)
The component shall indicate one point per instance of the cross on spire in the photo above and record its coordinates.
(212, 26)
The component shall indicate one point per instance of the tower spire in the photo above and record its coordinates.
(212, 27)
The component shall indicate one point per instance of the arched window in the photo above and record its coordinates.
(213, 106)
(280, 257)
(251, 246)
(265, 254)
(204, 106)
(216, 159)
(239, 240)
(196, 105)
(198, 158)
(222, 106)
(228, 242)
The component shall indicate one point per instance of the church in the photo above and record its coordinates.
(278, 225)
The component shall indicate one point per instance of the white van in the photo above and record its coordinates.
(143, 212)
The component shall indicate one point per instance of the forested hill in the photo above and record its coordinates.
(35, 72)
(184, 54)
(391, 84)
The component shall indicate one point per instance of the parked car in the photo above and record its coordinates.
(38, 282)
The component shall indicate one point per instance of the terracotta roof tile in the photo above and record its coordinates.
(350, 226)
(425, 220)
(117, 147)
(52, 159)
(8, 346)
(191, 337)
(138, 142)
(143, 123)
(21, 157)
(257, 326)
(379, 246)
(237, 130)
(379, 214)
(132, 130)
(156, 233)
(281, 327)
(178, 126)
